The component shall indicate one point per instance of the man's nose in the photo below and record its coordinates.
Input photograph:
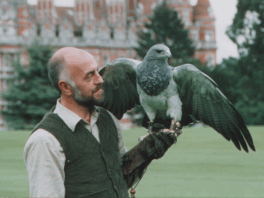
(99, 79)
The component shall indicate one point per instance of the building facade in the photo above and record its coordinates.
(105, 28)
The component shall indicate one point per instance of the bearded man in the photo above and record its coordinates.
(77, 150)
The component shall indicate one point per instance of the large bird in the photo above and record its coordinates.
(171, 95)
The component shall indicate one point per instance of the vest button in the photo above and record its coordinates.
(115, 187)
(109, 169)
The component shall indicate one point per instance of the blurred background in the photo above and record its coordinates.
(223, 38)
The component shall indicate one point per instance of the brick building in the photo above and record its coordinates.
(105, 28)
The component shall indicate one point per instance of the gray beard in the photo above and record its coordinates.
(88, 101)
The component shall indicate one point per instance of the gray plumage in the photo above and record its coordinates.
(182, 93)
(153, 74)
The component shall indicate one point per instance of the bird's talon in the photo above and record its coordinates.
(178, 125)
(178, 132)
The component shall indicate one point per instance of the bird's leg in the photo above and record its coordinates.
(172, 127)
(150, 126)
(175, 127)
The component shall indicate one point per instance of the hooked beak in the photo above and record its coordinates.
(168, 54)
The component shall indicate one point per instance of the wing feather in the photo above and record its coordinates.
(202, 99)
(120, 89)
(217, 121)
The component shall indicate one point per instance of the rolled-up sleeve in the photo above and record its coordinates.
(45, 160)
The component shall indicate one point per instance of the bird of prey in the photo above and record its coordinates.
(171, 95)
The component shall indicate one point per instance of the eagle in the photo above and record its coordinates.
(172, 96)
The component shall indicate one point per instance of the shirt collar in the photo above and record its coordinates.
(70, 118)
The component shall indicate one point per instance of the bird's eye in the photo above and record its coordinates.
(158, 51)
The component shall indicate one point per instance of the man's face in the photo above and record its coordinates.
(88, 100)
(87, 90)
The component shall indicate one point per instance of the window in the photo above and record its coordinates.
(5, 30)
(211, 12)
(153, 6)
(78, 33)
(195, 36)
(140, 8)
(57, 31)
(209, 36)
(112, 33)
(38, 30)
(9, 59)
(210, 61)
(186, 17)
(106, 59)
(4, 11)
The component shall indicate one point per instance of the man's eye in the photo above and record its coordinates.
(88, 77)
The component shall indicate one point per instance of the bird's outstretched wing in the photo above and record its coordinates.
(120, 88)
(202, 99)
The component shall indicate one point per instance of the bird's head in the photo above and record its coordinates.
(158, 51)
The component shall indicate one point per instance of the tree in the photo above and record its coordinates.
(166, 27)
(246, 32)
(30, 95)
(241, 79)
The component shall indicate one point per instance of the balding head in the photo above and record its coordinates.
(62, 61)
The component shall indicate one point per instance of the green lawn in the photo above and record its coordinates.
(201, 164)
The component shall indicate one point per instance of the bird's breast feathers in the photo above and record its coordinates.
(160, 101)
(153, 79)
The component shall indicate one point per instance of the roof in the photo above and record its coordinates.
(203, 10)
(63, 12)
(60, 14)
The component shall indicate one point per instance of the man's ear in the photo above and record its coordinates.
(65, 88)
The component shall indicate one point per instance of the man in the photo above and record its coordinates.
(76, 150)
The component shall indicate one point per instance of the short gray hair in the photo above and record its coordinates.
(55, 66)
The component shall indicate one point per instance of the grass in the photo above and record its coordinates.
(201, 164)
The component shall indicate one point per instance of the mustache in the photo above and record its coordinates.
(97, 88)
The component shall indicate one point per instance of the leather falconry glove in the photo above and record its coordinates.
(139, 157)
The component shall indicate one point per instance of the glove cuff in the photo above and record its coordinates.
(133, 159)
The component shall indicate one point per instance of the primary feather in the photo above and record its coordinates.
(183, 93)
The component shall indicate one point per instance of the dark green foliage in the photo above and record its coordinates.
(247, 33)
(166, 27)
(30, 94)
(247, 28)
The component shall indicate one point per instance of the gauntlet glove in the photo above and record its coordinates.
(153, 146)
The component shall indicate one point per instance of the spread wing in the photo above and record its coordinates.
(203, 100)
(120, 88)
